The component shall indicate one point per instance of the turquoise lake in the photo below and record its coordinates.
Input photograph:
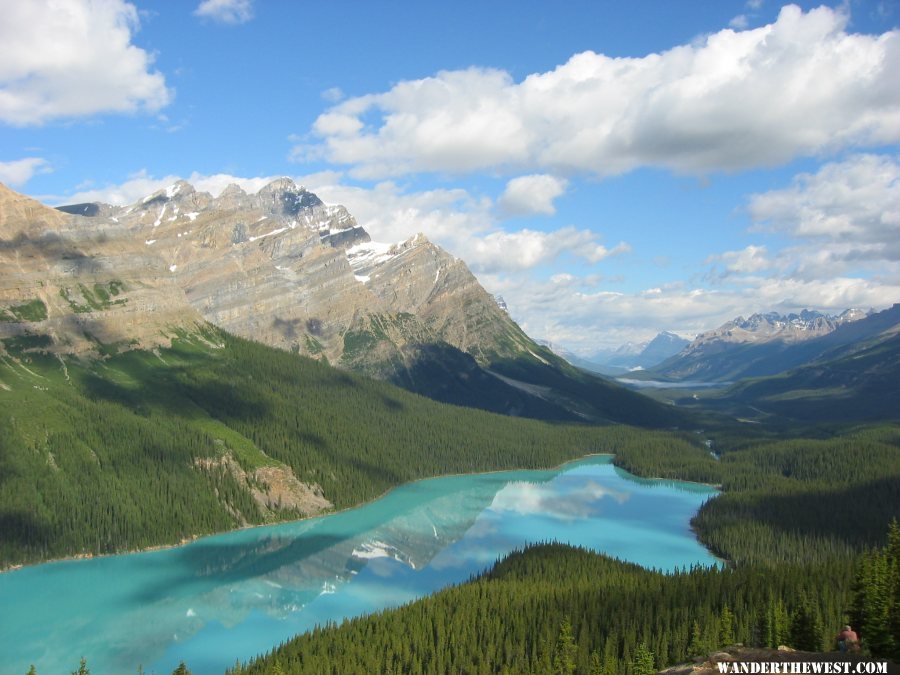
(234, 595)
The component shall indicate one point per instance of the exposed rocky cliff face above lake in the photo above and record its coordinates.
(282, 268)
(278, 266)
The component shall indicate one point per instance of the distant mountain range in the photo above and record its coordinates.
(848, 375)
(630, 356)
(282, 268)
(807, 367)
(763, 344)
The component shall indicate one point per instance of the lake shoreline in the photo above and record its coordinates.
(235, 594)
(195, 537)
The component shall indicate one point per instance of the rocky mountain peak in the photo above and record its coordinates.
(174, 192)
(853, 314)
(668, 336)
(232, 190)
(23, 216)
(278, 266)
(232, 197)
(285, 197)
(283, 184)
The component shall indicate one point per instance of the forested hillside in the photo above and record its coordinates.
(797, 500)
(146, 448)
(555, 609)
(856, 386)
(792, 526)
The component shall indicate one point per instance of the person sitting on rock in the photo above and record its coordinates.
(848, 640)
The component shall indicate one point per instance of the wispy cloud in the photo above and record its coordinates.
(856, 200)
(226, 11)
(19, 171)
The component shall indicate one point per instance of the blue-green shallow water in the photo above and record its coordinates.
(234, 595)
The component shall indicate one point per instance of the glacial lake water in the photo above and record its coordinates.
(234, 595)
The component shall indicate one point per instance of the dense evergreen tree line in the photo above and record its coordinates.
(110, 481)
(793, 523)
(791, 500)
(557, 609)
(876, 602)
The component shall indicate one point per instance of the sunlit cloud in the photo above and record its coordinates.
(531, 195)
(717, 105)
(74, 58)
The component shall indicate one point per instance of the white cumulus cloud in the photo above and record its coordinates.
(525, 249)
(531, 195)
(462, 224)
(855, 202)
(73, 58)
(843, 219)
(19, 171)
(226, 11)
(734, 100)
(748, 260)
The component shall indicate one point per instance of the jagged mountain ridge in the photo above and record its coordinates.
(282, 268)
(787, 327)
(762, 344)
(278, 266)
(850, 374)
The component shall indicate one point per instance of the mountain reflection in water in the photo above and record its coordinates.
(238, 594)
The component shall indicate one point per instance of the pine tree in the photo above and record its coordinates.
(876, 601)
(596, 664)
(776, 625)
(643, 663)
(726, 627)
(806, 629)
(564, 654)
(893, 553)
(611, 654)
(696, 646)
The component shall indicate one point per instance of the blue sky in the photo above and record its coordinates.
(611, 169)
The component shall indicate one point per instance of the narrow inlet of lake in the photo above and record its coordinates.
(235, 595)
